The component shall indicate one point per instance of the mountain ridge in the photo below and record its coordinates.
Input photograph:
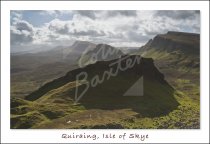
(167, 66)
(102, 52)
(177, 56)
(173, 41)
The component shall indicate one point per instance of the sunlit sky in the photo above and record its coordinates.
(117, 28)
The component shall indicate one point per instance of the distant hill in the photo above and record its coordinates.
(77, 49)
(188, 43)
(35, 69)
(157, 99)
(128, 50)
(81, 46)
(102, 52)
(177, 56)
(68, 54)
(111, 90)
(155, 86)
(176, 49)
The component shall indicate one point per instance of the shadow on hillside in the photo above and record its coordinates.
(157, 99)
(158, 96)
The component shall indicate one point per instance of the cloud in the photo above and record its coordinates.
(180, 20)
(58, 26)
(93, 33)
(24, 25)
(87, 13)
(127, 13)
(21, 32)
(105, 14)
(178, 14)
(137, 37)
(54, 13)
(15, 16)
(118, 27)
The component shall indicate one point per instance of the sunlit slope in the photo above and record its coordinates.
(56, 99)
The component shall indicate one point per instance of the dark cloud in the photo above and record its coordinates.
(127, 13)
(92, 33)
(178, 14)
(21, 32)
(112, 26)
(87, 13)
(23, 25)
(60, 29)
(19, 38)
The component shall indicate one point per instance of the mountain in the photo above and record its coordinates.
(106, 97)
(102, 52)
(77, 49)
(176, 47)
(31, 70)
(81, 46)
(128, 50)
(68, 54)
(177, 56)
(160, 90)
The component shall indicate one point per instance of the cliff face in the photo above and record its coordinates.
(140, 67)
(175, 49)
(177, 56)
(176, 41)
(103, 86)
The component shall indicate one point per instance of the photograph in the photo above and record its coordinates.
(104, 69)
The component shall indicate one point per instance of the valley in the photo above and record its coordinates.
(43, 86)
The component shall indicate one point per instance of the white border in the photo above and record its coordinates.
(53, 136)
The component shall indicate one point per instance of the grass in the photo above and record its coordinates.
(27, 120)
(26, 81)
(25, 114)
(186, 116)
(179, 38)
(192, 89)
(179, 72)
(162, 107)
(48, 114)
(152, 53)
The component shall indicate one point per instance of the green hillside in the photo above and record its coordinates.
(169, 68)
(104, 106)
(177, 56)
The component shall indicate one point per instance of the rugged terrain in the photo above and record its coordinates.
(177, 56)
(170, 71)
(102, 52)
(29, 71)
(104, 96)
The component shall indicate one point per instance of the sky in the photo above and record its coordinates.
(31, 29)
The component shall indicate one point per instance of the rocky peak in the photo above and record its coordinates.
(140, 67)
(176, 41)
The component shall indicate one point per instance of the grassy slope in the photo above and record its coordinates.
(51, 111)
(25, 82)
(185, 116)
(56, 110)
(182, 71)
(49, 115)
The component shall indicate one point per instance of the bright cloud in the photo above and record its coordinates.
(118, 28)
